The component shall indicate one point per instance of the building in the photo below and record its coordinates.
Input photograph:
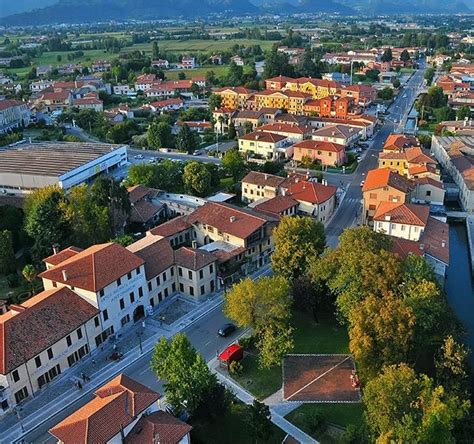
(188, 63)
(406, 159)
(234, 97)
(294, 133)
(363, 95)
(338, 134)
(28, 166)
(145, 212)
(329, 106)
(265, 145)
(257, 186)
(123, 90)
(327, 153)
(161, 63)
(456, 156)
(289, 100)
(63, 326)
(100, 66)
(13, 114)
(384, 185)
(145, 82)
(244, 118)
(278, 206)
(166, 105)
(40, 85)
(111, 416)
(89, 101)
(399, 142)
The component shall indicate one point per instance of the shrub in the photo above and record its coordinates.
(235, 368)
(13, 280)
(318, 423)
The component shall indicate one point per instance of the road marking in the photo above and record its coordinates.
(144, 371)
(208, 342)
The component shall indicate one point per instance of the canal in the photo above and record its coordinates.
(459, 285)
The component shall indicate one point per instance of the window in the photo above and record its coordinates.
(180, 271)
(119, 282)
(157, 280)
(68, 340)
(15, 376)
(428, 193)
(140, 292)
(38, 360)
(191, 290)
(138, 271)
(55, 284)
(129, 276)
(173, 287)
(164, 276)
(20, 395)
(203, 289)
(373, 195)
(96, 321)
(166, 292)
(50, 353)
(105, 314)
(125, 320)
(402, 228)
(149, 286)
(201, 274)
(101, 293)
(79, 333)
(132, 298)
(160, 297)
(172, 271)
(190, 274)
(211, 268)
(122, 304)
(181, 288)
(212, 286)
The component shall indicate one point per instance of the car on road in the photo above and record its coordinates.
(226, 330)
(362, 183)
(138, 156)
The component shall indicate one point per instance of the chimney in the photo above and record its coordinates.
(443, 243)
(194, 244)
(232, 219)
(64, 275)
(387, 217)
(266, 176)
(55, 249)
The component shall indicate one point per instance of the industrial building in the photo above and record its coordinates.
(25, 167)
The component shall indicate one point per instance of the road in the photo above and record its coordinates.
(347, 213)
(203, 336)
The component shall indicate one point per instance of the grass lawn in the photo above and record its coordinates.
(339, 414)
(326, 337)
(219, 71)
(232, 428)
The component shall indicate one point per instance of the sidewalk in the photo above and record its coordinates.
(277, 409)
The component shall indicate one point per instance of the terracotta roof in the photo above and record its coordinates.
(57, 258)
(417, 155)
(263, 179)
(401, 213)
(144, 210)
(94, 268)
(236, 90)
(359, 88)
(7, 103)
(382, 177)
(138, 192)
(435, 240)
(280, 79)
(172, 227)
(285, 128)
(263, 137)
(311, 192)
(404, 247)
(294, 178)
(193, 259)
(429, 181)
(276, 205)
(38, 323)
(229, 219)
(168, 102)
(115, 406)
(320, 146)
(291, 118)
(336, 131)
(421, 168)
(156, 252)
(159, 427)
(399, 142)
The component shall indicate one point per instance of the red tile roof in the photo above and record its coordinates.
(263, 137)
(399, 142)
(172, 227)
(263, 179)
(435, 240)
(94, 268)
(57, 258)
(401, 213)
(159, 427)
(285, 128)
(115, 406)
(276, 205)
(193, 259)
(5, 104)
(311, 192)
(38, 323)
(383, 177)
(320, 146)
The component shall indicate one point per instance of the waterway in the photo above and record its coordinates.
(459, 284)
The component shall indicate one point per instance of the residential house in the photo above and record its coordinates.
(291, 101)
(215, 59)
(257, 186)
(234, 97)
(265, 145)
(166, 105)
(41, 85)
(277, 206)
(239, 61)
(294, 133)
(89, 101)
(145, 210)
(327, 153)
(329, 106)
(399, 142)
(100, 66)
(145, 82)
(160, 63)
(403, 160)
(111, 416)
(245, 118)
(197, 127)
(384, 185)
(40, 339)
(188, 63)
(223, 117)
(339, 134)
(13, 114)
(123, 90)
(428, 190)
(363, 95)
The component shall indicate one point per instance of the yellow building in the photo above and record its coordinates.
(234, 98)
(318, 88)
(292, 101)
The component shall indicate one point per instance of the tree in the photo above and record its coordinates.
(464, 112)
(233, 164)
(232, 132)
(405, 407)
(29, 273)
(405, 56)
(387, 55)
(298, 240)
(155, 51)
(396, 83)
(45, 220)
(186, 373)
(307, 67)
(260, 421)
(215, 101)
(7, 255)
(258, 303)
(214, 172)
(197, 178)
(310, 294)
(274, 342)
(152, 137)
(381, 332)
(385, 93)
(277, 63)
(372, 75)
(185, 139)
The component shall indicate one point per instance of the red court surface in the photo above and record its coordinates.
(319, 378)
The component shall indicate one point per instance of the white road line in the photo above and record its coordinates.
(147, 369)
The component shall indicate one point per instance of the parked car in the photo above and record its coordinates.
(362, 183)
(138, 156)
(226, 330)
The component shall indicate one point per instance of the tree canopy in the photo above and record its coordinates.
(197, 178)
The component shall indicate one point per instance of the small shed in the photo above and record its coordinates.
(233, 352)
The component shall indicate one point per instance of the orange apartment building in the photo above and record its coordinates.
(329, 154)
(234, 98)
(330, 106)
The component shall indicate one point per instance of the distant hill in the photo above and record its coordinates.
(86, 11)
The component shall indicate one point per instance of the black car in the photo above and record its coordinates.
(226, 330)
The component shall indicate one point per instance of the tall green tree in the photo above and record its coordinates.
(298, 240)
(30, 273)
(215, 101)
(260, 422)
(155, 51)
(7, 255)
(197, 178)
(152, 136)
(387, 55)
(405, 56)
(45, 220)
(464, 112)
(405, 407)
(233, 164)
(186, 373)
(186, 140)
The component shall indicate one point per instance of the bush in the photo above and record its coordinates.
(318, 423)
(246, 341)
(13, 280)
(235, 368)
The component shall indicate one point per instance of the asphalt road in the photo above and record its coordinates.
(350, 207)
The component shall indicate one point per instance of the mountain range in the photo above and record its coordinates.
(38, 12)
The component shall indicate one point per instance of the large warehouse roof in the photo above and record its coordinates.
(50, 158)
